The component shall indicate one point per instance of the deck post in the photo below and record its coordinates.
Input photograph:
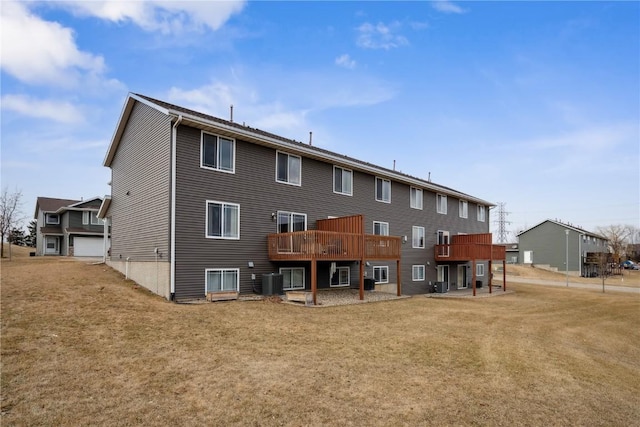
(362, 258)
(490, 276)
(361, 278)
(473, 277)
(398, 277)
(504, 275)
(314, 279)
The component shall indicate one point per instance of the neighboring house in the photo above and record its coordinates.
(199, 204)
(69, 227)
(511, 252)
(553, 243)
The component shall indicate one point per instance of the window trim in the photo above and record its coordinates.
(480, 270)
(381, 268)
(88, 218)
(344, 193)
(381, 223)
(463, 209)
(281, 270)
(413, 272)
(481, 211)
(290, 214)
(206, 277)
(411, 201)
(440, 198)
(233, 153)
(338, 269)
(288, 181)
(47, 219)
(206, 220)
(383, 180)
(413, 236)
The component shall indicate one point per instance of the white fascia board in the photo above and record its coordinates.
(104, 207)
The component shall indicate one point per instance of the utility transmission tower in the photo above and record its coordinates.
(503, 234)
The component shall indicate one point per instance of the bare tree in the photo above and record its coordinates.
(10, 214)
(618, 236)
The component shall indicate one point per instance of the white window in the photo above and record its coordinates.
(463, 209)
(481, 213)
(441, 203)
(479, 269)
(91, 217)
(416, 198)
(380, 228)
(288, 168)
(217, 153)
(291, 221)
(222, 220)
(417, 273)
(342, 181)
(418, 237)
(222, 279)
(341, 277)
(292, 278)
(383, 190)
(381, 274)
(52, 218)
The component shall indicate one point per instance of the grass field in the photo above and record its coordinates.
(83, 346)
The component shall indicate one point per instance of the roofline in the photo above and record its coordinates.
(104, 207)
(122, 122)
(571, 227)
(85, 201)
(281, 142)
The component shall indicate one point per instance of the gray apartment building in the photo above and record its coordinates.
(199, 204)
(561, 246)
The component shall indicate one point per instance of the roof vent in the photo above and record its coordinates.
(310, 138)
(231, 113)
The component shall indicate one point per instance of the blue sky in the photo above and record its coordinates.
(534, 104)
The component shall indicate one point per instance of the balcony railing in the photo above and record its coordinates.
(331, 245)
(469, 251)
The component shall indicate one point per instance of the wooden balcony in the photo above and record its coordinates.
(470, 247)
(331, 246)
(334, 239)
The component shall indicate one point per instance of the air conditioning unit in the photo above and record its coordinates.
(441, 287)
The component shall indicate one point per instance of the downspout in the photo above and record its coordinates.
(172, 219)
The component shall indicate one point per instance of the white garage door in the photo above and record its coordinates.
(88, 246)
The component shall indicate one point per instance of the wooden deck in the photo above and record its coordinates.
(330, 245)
(468, 247)
(335, 239)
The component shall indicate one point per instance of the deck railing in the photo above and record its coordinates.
(469, 251)
(330, 245)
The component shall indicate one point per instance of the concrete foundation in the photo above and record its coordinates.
(155, 276)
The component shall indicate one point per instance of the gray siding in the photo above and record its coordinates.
(141, 168)
(548, 242)
(75, 221)
(254, 188)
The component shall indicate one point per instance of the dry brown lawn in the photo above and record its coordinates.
(627, 278)
(83, 346)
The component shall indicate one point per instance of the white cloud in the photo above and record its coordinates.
(160, 15)
(42, 52)
(217, 97)
(445, 6)
(380, 36)
(63, 112)
(346, 61)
